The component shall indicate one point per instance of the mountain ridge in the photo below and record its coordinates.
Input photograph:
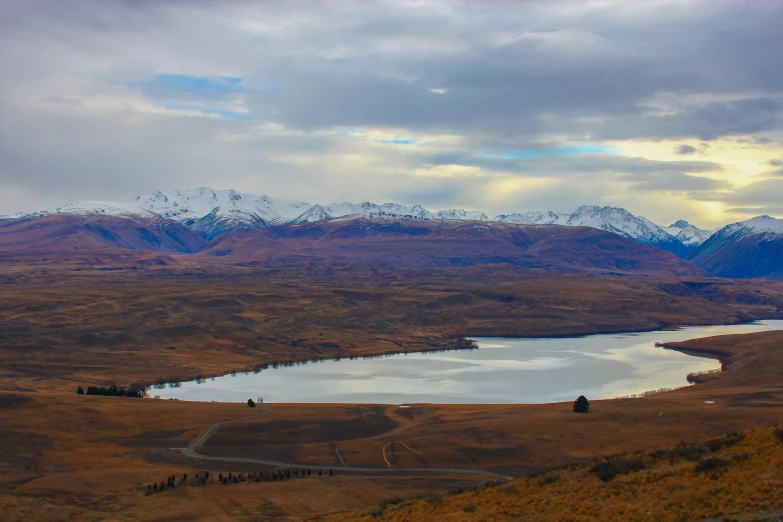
(211, 213)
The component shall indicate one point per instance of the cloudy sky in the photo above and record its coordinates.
(671, 109)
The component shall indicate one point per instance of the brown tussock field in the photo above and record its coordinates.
(64, 456)
(67, 456)
(125, 326)
(733, 477)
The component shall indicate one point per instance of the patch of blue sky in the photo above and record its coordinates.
(570, 150)
(407, 141)
(211, 111)
(198, 85)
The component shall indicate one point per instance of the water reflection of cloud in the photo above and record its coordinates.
(524, 370)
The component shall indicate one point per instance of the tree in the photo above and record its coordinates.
(250, 403)
(331, 472)
(79, 391)
(581, 405)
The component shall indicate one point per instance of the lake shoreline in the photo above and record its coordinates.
(390, 353)
(521, 370)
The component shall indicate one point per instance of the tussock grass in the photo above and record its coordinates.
(718, 477)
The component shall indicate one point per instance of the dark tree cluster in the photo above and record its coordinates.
(202, 479)
(171, 482)
(274, 476)
(111, 391)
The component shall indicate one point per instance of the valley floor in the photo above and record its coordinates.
(65, 456)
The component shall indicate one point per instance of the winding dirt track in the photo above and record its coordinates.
(190, 451)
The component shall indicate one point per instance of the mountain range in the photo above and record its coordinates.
(211, 213)
(188, 221)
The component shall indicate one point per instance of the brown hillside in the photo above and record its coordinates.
(442, 244)
(93, 240)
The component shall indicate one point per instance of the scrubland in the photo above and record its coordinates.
(737, 475)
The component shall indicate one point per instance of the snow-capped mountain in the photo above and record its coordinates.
(752, 248)
(688, 234)
(535, 218)
(211, 213)
(462, 215)
(757, 225)
(610, 219)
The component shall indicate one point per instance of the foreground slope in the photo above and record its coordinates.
(715, 479)
(752, 248)
(446, 244)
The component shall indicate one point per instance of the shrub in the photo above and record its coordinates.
(608, 469)
(250, 403)
(581, 405)
(469, 508)
(710, 464)
(779, 434)
(730, 439)
(79, 391)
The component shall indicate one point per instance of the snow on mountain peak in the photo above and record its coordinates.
(211, 212)
(760, 224)
(680, 223)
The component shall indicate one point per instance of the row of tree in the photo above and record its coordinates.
(111, 391)
(171, 482)
(231, 478)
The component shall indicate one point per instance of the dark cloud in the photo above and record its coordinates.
(685, 149)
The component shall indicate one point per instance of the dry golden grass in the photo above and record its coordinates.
(65, 457)
(100, 328)
(745, 477)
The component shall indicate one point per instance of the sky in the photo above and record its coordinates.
(670, 109)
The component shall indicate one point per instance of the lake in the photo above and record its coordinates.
(502, 370)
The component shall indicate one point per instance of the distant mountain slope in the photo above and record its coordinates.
(409, 242)
(211, 213)
(752, 248)
(93, 232)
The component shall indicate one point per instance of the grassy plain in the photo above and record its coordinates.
(60, 328)
(64, 456)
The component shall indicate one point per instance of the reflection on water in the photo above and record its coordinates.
(501, 371)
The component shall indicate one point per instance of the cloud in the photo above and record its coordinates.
(335, 100)
(685, 149)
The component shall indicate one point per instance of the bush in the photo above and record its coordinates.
(710, 464)
(469, 508)
(779, 434)
(250, 403)
(581, 405)
(730, 439)
(79, 391)
(610, 468)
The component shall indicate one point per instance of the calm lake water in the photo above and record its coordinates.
(502, 370)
